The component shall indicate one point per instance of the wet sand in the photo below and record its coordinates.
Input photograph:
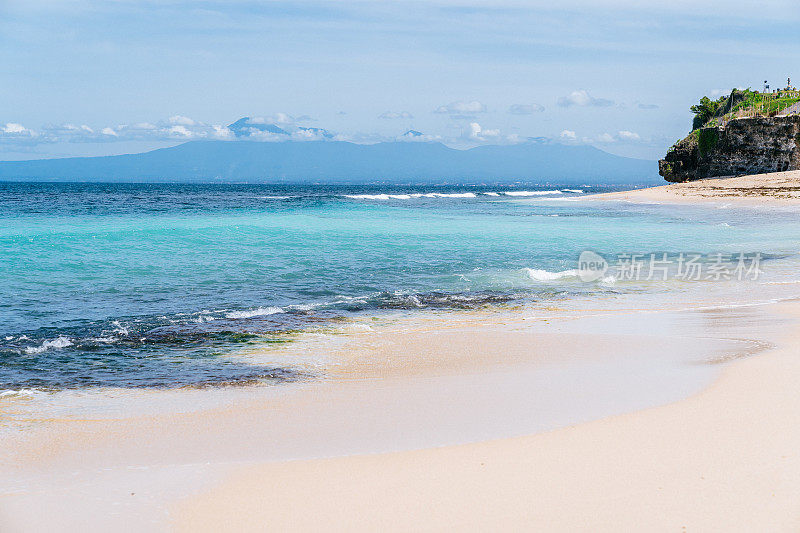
(645, 418)
(723, 460)
(154, 460)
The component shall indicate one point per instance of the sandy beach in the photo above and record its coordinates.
(724, 459)
(640, 415)
(777, 188)
(369, 266)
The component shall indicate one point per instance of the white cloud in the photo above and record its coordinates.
(475, 132)
(181, 131)
(389, 115)
(309, 134)
(583, 99)
(222, 132)
(568, 135)
(109, 131)
(620, 136)
(461, 109)
(13, 128)
(626, 135)
(525, 109)
(417, 136)
(180, 120)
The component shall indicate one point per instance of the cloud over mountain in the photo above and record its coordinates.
(583, 99)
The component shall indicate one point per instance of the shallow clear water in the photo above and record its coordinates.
(154, 285)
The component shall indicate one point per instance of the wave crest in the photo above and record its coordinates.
(60, 342)
(546, 275)
(250, 313)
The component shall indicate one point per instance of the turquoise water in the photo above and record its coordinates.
(152, 285)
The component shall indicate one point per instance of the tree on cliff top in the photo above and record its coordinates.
(705, 111)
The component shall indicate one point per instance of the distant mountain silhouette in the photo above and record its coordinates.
(343, 162)
(244, 127)
(247, 127)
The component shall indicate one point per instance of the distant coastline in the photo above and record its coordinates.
(337, 162)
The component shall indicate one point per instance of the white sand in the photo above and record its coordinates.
(723, 460)
(775, 189)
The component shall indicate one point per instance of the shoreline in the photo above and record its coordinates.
(777, 189)
(487, 381)
(436, 422)
(723, 458)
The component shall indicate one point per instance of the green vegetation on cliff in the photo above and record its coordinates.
(741, 103)
(707, 139)
(705, 111)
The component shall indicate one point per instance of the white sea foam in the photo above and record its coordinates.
(492, 193)
(261, 311)
(107, 340)
(382, 196)
(60, 342)
(546, 275)
(305, 307)
(119, 328)
(385, 196)
(455, 195)
(367, 196)
(21, 393)
(530, 193)
(571, 190)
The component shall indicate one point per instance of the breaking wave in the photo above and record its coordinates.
(60, 342)
(261, 311)
(546, 275)
(412, 196)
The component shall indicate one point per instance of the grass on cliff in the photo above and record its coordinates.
(709, 112)
(754, 100)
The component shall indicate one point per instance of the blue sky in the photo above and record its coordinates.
(85, 77)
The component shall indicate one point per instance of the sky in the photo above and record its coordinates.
(91, 77)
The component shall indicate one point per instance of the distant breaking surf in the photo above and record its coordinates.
(411, 196)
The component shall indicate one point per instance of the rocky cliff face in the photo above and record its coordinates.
(743, 146)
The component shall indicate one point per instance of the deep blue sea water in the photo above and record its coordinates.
(142, 285)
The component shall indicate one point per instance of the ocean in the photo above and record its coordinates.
(157, 285)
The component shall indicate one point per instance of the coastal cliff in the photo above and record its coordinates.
(743, 146)
(747, 132)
